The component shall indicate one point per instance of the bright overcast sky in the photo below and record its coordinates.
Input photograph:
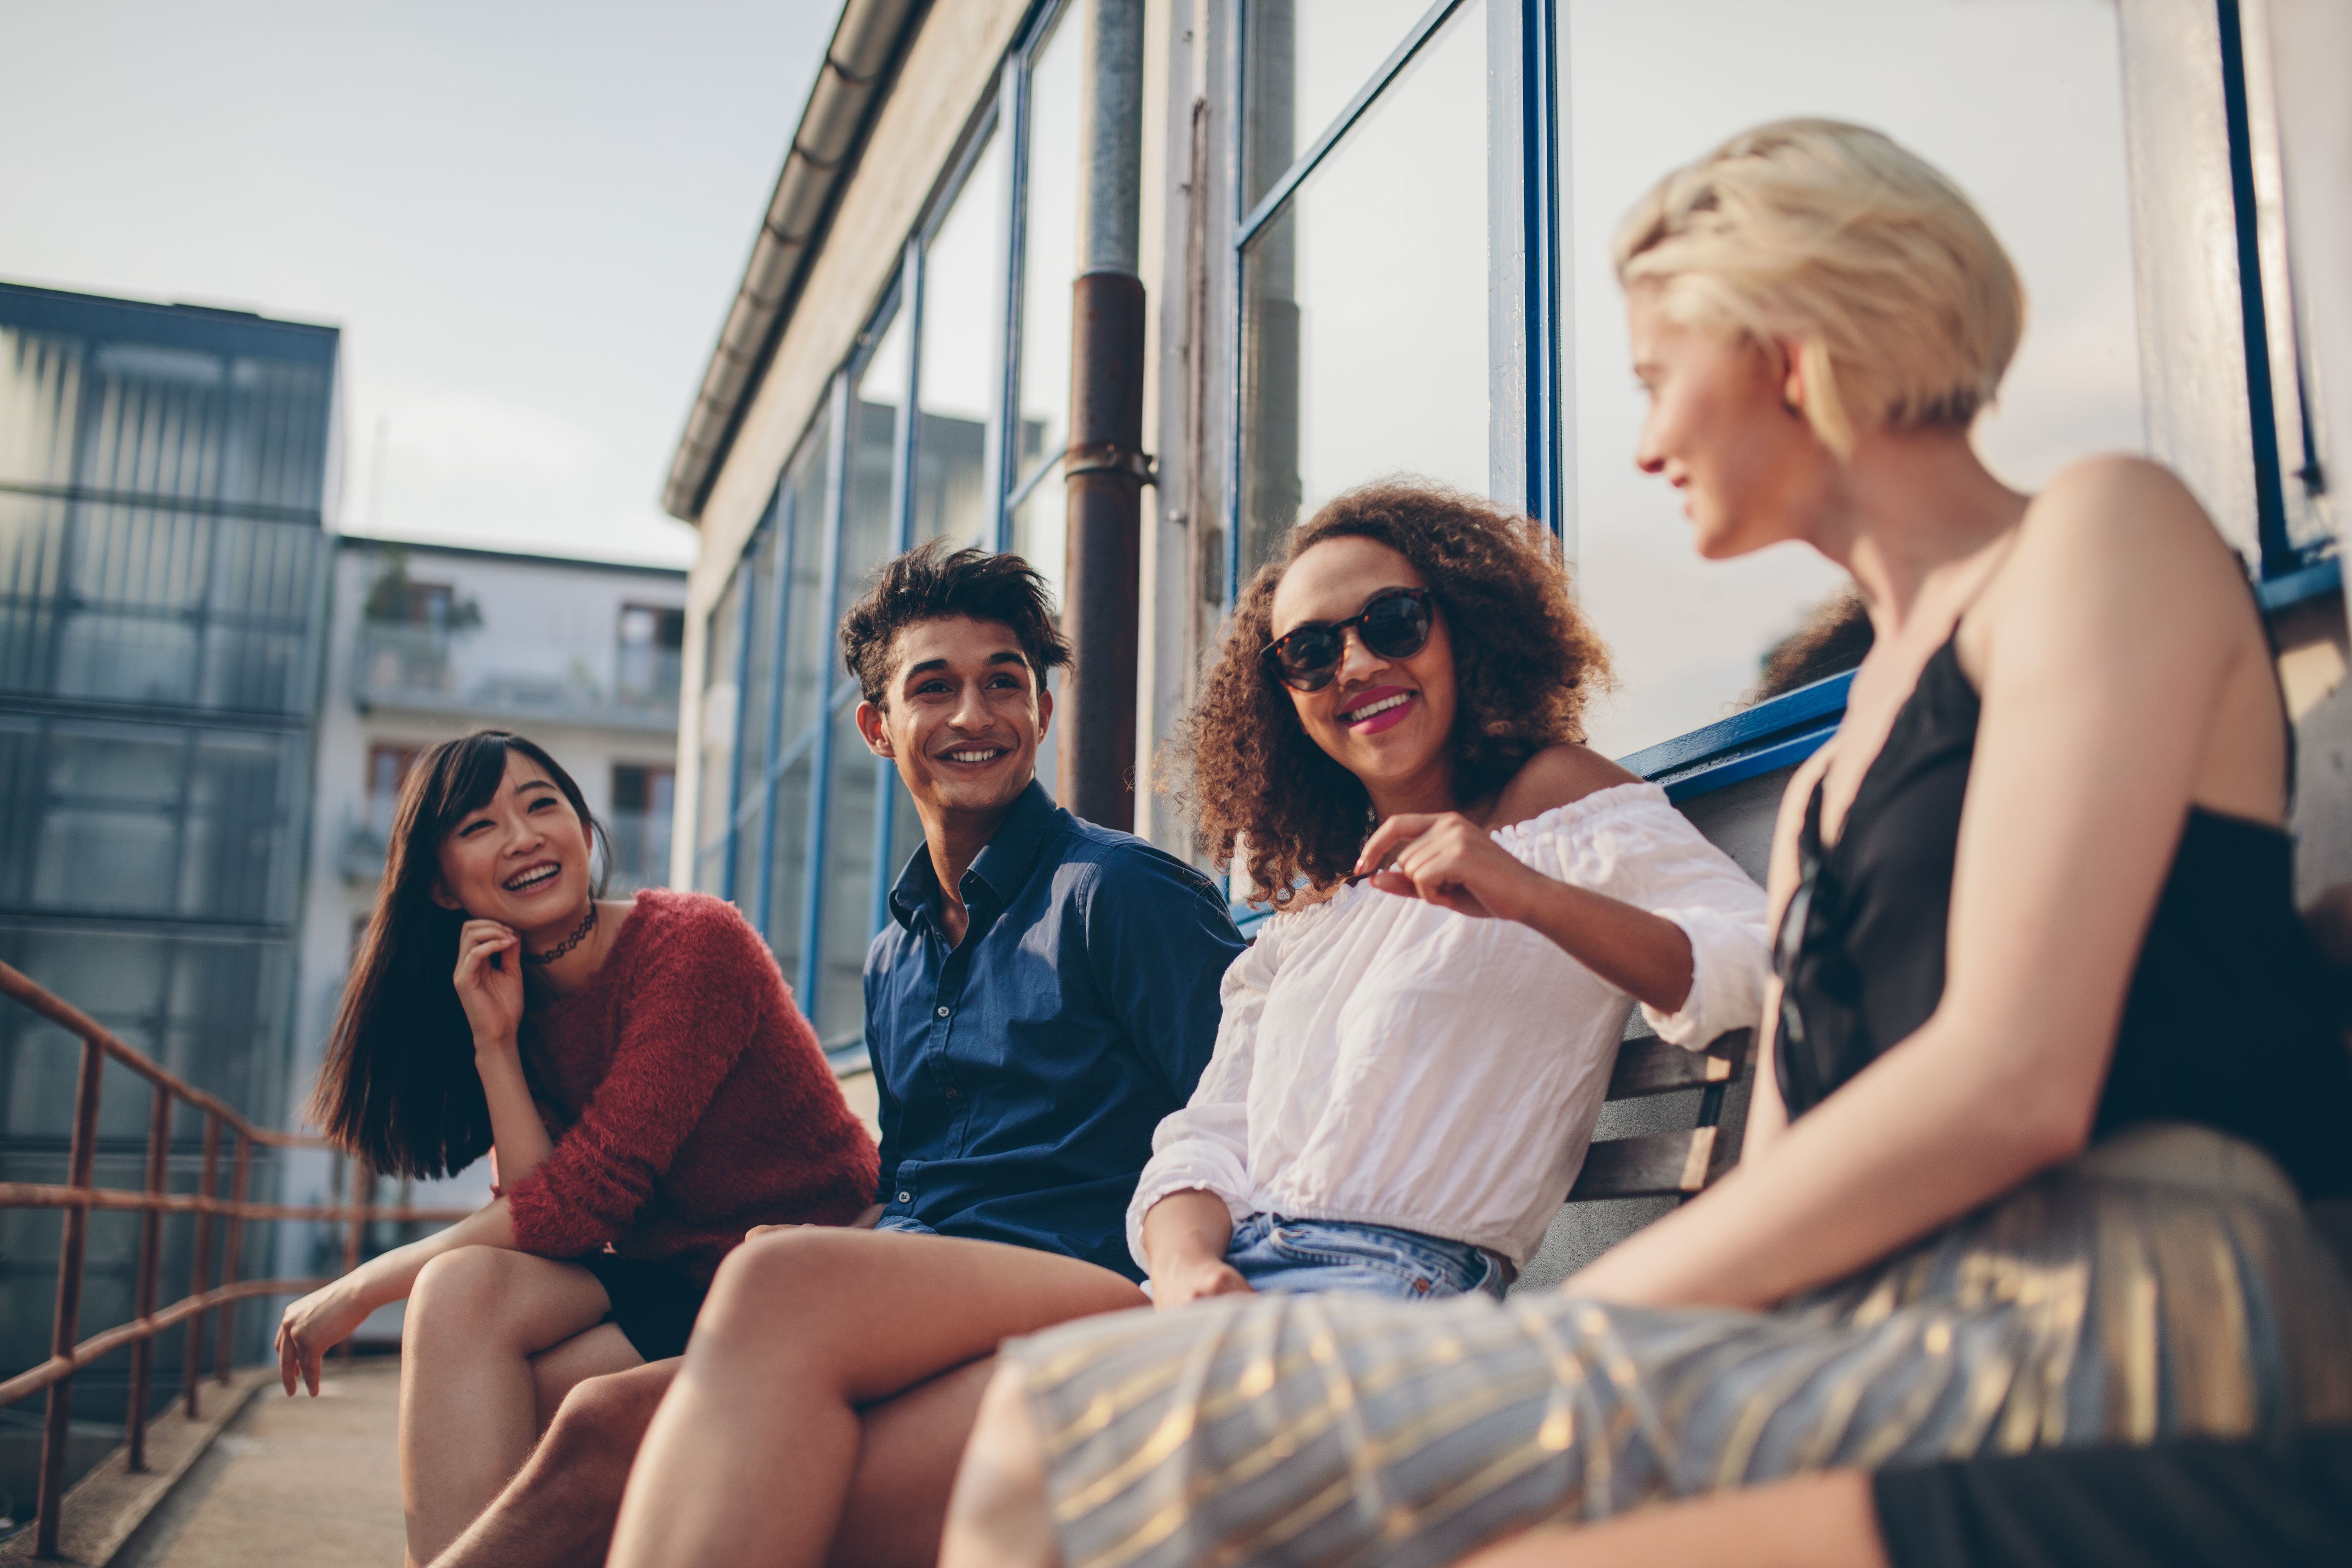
(528, 219)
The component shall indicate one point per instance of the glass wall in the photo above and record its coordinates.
(162, 592)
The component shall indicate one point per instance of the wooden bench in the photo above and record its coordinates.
(1672, 1164)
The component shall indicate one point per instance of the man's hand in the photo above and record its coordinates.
(1446, 859)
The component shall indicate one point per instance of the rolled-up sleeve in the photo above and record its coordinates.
(1643, 851)
(1204, 1147)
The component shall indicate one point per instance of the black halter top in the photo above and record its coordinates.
(2227, 1024)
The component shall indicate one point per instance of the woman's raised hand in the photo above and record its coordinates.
(1448, 860)
(490, 982)
(315, 1325)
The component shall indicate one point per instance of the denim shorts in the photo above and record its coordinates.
(1276, 1254)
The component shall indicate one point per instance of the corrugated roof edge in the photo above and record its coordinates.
(833, 126)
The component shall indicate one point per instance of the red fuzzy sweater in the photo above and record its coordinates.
(687, 1099)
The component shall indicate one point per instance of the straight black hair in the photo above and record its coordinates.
(398, 1086)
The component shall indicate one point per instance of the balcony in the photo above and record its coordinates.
(429, 669)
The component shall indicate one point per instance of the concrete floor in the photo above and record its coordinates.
(310, 1481)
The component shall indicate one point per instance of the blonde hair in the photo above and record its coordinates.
(1902, 307)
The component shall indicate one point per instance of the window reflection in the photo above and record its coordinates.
(2020, 103)
(1041, 531)
(1364, 302)
(963, 334)
(1049, 256)
(1306, 59)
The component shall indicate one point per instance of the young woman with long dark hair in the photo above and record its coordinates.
(641, 1078)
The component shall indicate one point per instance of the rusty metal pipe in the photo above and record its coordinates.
(151, 1265)
(1105, 469)
(200, 1265)
(73, 1247)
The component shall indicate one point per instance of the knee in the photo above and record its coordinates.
(461, 1294)
(784, 1277)
(603, 1421)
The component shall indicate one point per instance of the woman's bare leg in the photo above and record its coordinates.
(468, 1403)
(997, 1516)
(751, 1454)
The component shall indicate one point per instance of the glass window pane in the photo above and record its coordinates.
(788, 863)
(867, 527)
(2019, 103)
(761, 565)
(962, 364)
(1306, 59)
(722, 648)
(848, 848)
(1041, 531)
(1049, 249)
(1340, 385)
(807, 628)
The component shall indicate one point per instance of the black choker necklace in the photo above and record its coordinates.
(579, 934)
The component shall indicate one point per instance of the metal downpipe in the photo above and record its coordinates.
(1106, 469)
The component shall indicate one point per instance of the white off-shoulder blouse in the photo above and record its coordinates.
(1387, 1061)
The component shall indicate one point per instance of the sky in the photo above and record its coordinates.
(528, 219)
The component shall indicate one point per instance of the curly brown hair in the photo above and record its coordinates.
(1244, 769)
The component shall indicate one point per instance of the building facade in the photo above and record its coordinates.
(428, 642)
(167, 475)
(1374, 239)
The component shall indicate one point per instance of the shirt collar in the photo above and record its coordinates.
(1004, 863)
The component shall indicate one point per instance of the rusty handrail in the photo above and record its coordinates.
(77, 1196)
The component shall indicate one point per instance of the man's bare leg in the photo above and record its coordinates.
(751, 1457)
(559, 1509)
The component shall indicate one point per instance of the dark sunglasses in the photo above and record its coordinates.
(1394, 624)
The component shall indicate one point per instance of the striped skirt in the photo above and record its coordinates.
(2163, 1283)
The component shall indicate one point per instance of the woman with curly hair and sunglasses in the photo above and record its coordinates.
(1403, 1086)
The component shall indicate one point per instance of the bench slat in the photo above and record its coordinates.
(1660, 1164)
(1653, 1066)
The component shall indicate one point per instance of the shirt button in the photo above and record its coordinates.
(951, 1094)
(906, 1197)
(945, 1011)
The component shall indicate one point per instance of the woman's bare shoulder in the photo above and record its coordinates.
(1555, 777)
(2127, 507)
(2118, 545)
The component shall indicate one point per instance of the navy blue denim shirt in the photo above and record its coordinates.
(1020, 1074)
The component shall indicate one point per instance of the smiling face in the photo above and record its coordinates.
(520, 858)
(1389, 722)
(961, 716)
(1722, 430)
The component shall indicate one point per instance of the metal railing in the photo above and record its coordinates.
(77, 1197)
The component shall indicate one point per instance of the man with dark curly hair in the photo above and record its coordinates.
(1045, 994)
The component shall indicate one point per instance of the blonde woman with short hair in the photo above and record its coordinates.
(2048, 1062)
